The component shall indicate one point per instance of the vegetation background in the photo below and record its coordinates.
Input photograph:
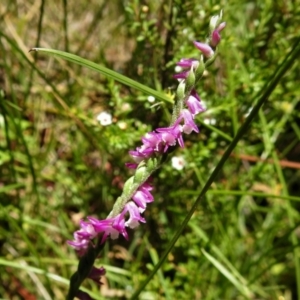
(58, 164)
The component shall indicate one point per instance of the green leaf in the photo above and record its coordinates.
(240, 286)
(106, 72)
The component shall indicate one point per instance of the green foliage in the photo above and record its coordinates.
(59, 164)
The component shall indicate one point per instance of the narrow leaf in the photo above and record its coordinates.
(106, 72)
(241, 287)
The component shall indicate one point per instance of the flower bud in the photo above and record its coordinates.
(180, 90)
(215, 21)
(190, 80)
(152, 164)
(221, 27)
(205, 49)
(215, 38)
(141, 173)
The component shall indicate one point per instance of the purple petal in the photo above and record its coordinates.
(221, 27)
(131, 165)
(141, 197)
(194, 105)
(215, 38)
(188, 63)
(189, 124)
(134, 215)
(79, 245)
(171, 134)
(182, 75)
(205, 49)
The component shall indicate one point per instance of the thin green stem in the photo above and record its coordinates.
(85, 265)
(37, 42)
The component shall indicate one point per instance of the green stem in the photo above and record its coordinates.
(142, 173)
(85, 265)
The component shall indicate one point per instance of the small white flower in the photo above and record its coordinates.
(104, 118)
(178, 162)
(151, 99)
(125, 107)
(185, 31)
(122, 125)
(210, 121)
(178, 69)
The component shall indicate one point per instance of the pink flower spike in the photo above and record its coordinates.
(205, 49)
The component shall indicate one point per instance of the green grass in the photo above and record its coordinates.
(58, 164)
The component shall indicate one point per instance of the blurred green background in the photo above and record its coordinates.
(59, 164)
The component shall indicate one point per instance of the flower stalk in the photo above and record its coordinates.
(148, 157)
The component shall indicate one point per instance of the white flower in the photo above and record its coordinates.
(178, 162)
(122, 125)
(151, 99)
(210, 121)
(178, 69)
(104, 118)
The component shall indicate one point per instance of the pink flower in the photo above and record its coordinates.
(188, 63)
(153, 140)
(170, 135)
(189, 124)
(221, 27)
(134, 215)
(182, 75)
(113, 227)
(194, 103)
(215, 38)
(205, 49)
(143, 196)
